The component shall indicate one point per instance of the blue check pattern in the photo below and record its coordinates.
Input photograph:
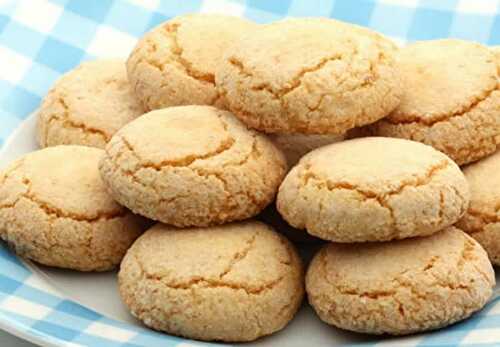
(42, 39)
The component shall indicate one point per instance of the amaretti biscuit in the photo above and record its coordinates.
(451, 99)
(311, 76)
(174, 64)
(373, 189)
(54, 209)
(192, 166)
(235, 282)
(400, 287)
(482, 219)
(87, 105)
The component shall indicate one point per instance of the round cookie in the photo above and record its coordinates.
(286, 78)
(174, 64)
(295, 146)
(451, 99)
(235, 282)
(54, 209)
(197, 166)
(404, 287)
(87, 105)
(373, 189)
(482, 219)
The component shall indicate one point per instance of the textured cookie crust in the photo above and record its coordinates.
(235, 282)
(54, 209)
(451, 99)
(174, 64)
(295, 146)
(400, 287)
(197, 166)
(87, 105)
(373, 189)
(482, 219)
(286, 78)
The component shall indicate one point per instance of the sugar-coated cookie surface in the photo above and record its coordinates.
(295, 146)
(235, 282)
(373, 189)
(87, 105)
(451, 99)
(54, 209)
(192, 166)
(174, 64)
(482, 219)
(308, 75)
(400, 287)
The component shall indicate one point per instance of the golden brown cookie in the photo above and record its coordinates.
(54, 209)
(235, 282)
(192, 166)
(373, 189)
(400, 287)
(482, 219)
(451, 99)
(87, 105)
(174, 63)
(287, 78)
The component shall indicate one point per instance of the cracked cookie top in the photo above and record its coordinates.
(372, 189)
(443, 78)
(482, 219)
(197, 165)
(174, 64)
(87, 105)
(219, 275)
(451, 99)
(400, 287)
(50, 176)
(286, 77)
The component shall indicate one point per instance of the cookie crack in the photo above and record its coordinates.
(201, 282)
(53, 212)
(226, 145)
(169, 31)
(239, 256)
(419, 119)
(382, 200)
(68, 123)
(485, 219)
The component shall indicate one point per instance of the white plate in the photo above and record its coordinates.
(42, 304)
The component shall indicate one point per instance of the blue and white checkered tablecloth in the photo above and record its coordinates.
(42, 39)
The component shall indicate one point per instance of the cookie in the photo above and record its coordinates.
(295, 146)
(235, 282)
(174, 64)
(286, 78)
(192, 166)
(451, 99)
(404, 287)
(54, 209)
(373, 189)
(87, 106)
(482, 219)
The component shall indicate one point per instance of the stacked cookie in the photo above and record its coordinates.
(233, 108)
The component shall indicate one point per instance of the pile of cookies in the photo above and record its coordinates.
(210, 122)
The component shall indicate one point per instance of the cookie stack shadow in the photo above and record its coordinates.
(325, 131)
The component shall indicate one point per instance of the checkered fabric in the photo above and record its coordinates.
(42, 39)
